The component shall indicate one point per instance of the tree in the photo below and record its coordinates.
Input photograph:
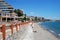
(19, 12)
(25, 18)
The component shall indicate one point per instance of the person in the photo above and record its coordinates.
(32, 24)
(33, 27)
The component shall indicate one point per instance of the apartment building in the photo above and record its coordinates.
(6, 11)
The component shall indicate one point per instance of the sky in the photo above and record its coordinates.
(49, 9)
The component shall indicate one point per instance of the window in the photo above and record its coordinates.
(0, 14)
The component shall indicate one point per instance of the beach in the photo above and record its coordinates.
(39, 33)
(30, 32)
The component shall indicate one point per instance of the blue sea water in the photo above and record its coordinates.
(53, 27)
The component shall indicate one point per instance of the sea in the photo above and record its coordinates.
(53, 27)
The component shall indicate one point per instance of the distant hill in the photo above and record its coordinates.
(57, 20)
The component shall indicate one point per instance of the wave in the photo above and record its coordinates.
(53, 32)
(59, 34)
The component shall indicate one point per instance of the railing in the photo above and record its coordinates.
(5, 15)
(12, 31)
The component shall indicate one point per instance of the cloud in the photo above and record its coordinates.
(31, 12)
(22, 9)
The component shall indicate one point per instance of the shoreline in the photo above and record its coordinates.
(51, 31)
(44, 34)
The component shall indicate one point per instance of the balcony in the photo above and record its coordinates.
(5, 15)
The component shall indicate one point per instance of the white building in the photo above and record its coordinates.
(6, 11)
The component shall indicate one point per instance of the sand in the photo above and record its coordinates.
(38, 33)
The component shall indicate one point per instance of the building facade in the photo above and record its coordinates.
(6, 11)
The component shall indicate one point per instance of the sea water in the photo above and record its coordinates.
(53, 27)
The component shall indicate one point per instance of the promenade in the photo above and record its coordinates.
(13, 30)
